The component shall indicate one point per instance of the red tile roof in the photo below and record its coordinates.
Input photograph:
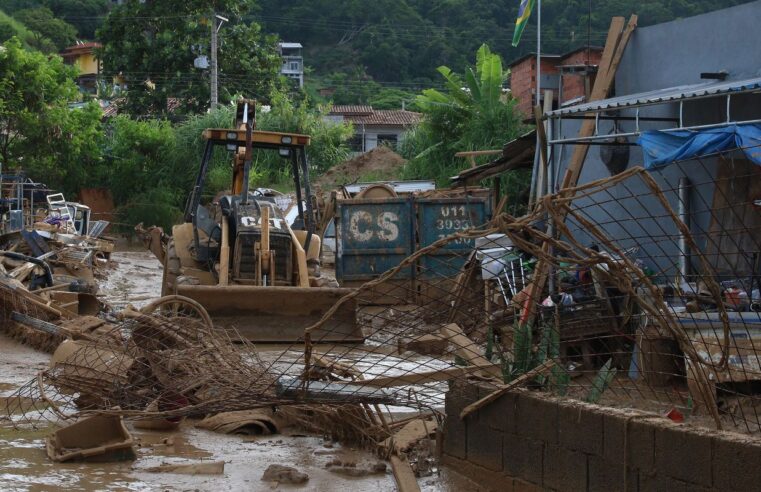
(347, 110)
(366, 115)
(80, 48)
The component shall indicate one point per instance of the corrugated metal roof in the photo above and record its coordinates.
(516, 154)
(660, 96)
(290, 45)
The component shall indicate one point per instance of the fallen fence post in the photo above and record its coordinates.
(403, 474)
(537, 371)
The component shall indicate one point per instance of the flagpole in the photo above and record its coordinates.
(538, 51)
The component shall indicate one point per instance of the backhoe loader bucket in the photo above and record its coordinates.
(278, 314)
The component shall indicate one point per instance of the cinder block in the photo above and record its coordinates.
(460, 395)
(523, 458)
(608, 476)
(537, 418)
(683, 454)
(634, 442)
(735, 463)
(484, 446)
(455, 439)
(521, 486)
(564, 469)
(580, 428)
(660, 483)
(499, 414)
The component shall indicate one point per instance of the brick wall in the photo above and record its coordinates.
(527, 442)
(522, 83)
(523, 80)
(573, 85)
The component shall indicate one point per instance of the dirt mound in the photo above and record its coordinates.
(381, 163)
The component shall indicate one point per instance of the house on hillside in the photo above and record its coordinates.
(293, 61)
(569, 76)
(374, 127)
(82, 56)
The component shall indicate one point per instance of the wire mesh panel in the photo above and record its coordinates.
(615, 292)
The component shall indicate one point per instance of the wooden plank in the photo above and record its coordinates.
(403, 474)
(600, 91)
(475, 153)
(421, 377)
(473, 407)
(468, 350)
(413, 431)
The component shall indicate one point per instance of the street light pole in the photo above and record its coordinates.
(214, 33)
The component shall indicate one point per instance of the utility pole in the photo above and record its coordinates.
(214, 33)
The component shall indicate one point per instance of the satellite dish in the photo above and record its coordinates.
(615, 155)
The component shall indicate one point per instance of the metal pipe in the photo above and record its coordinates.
(729, 101)
(31, 259)
(684, 216)
(681, 113)
(309, 222)
(585, 140)
(558, 113)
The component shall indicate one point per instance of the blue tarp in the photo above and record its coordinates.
(663, 148)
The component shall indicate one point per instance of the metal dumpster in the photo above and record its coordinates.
(439, 218)
(373, 236)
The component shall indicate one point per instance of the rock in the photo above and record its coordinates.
(284, 474)
(349, 471)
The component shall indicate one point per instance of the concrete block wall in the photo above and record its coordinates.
(525, 441)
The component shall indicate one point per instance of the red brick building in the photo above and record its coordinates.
(569, 76)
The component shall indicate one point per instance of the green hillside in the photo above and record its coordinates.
(401, 42)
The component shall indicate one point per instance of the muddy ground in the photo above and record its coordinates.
(24, 465)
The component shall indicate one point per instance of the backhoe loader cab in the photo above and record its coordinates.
(241, 259)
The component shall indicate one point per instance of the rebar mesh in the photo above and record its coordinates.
(581, 298)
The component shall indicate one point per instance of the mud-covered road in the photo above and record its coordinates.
(24, 465)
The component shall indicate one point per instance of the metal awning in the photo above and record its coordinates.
(661, 96)
(516, 154)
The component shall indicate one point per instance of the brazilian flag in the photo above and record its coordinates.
(525, 12)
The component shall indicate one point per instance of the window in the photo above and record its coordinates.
(294, 65)
(355, 143)
(389, 140)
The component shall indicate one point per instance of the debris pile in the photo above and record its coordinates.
(378, 164)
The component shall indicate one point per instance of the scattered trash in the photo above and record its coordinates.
(246, 422)
(98, 438)
(675, 415)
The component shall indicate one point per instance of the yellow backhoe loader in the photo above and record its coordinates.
(241, 259)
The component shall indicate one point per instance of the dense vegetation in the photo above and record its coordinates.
(155, 56)
(471, 113)
(148, 164)
(401, 42)
(387, 53)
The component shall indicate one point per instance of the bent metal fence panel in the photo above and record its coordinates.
(587, 297)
